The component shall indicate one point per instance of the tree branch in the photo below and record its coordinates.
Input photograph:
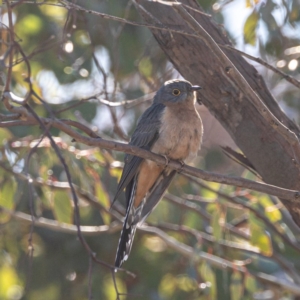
(63, 227)
(287, 77)
(290, 195)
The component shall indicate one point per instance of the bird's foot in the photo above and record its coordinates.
(167, 161)
(182, 165)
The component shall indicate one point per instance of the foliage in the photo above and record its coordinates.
(79, 62)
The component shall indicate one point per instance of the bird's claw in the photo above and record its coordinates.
(167, 161)
(182, 165)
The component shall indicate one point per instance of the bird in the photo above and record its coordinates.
(171, 127)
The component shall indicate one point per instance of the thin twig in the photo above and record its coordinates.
(218, 262)
(90, 295)
(271, 227)
(287, 77)
(76, 104)
(9, 117)
(32, 211)
(63, 227)
(225, 244)
(193, 207)
(128, 103)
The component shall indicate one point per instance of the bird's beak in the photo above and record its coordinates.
(196, 88)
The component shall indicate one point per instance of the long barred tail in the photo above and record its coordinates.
(125, 243)
(129, 227)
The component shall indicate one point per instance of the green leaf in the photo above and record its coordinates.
(7, 193)
(8, 279)
(103, 198)
(250, 28)
(259, 238)
(208, 275)
(145, 67)
(250, 283)
(31, 24)
(55, 12)
(110, 290)
(186, 283)
(5, 134)
(271, 210)
(167, 286)
(62, 207)
(236, 286)
(215, 223)
(209, 194)
(192, 220)
(115, 172)
(248, 3)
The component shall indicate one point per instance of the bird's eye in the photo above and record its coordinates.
(176, 92)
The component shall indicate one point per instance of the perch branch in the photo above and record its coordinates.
(289, 195)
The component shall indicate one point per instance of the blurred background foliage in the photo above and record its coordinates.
(77, 59)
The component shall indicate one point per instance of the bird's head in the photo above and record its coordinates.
(175, 92)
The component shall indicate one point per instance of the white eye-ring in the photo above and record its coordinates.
(176, 92)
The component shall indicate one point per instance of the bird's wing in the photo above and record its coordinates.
(144, 136)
